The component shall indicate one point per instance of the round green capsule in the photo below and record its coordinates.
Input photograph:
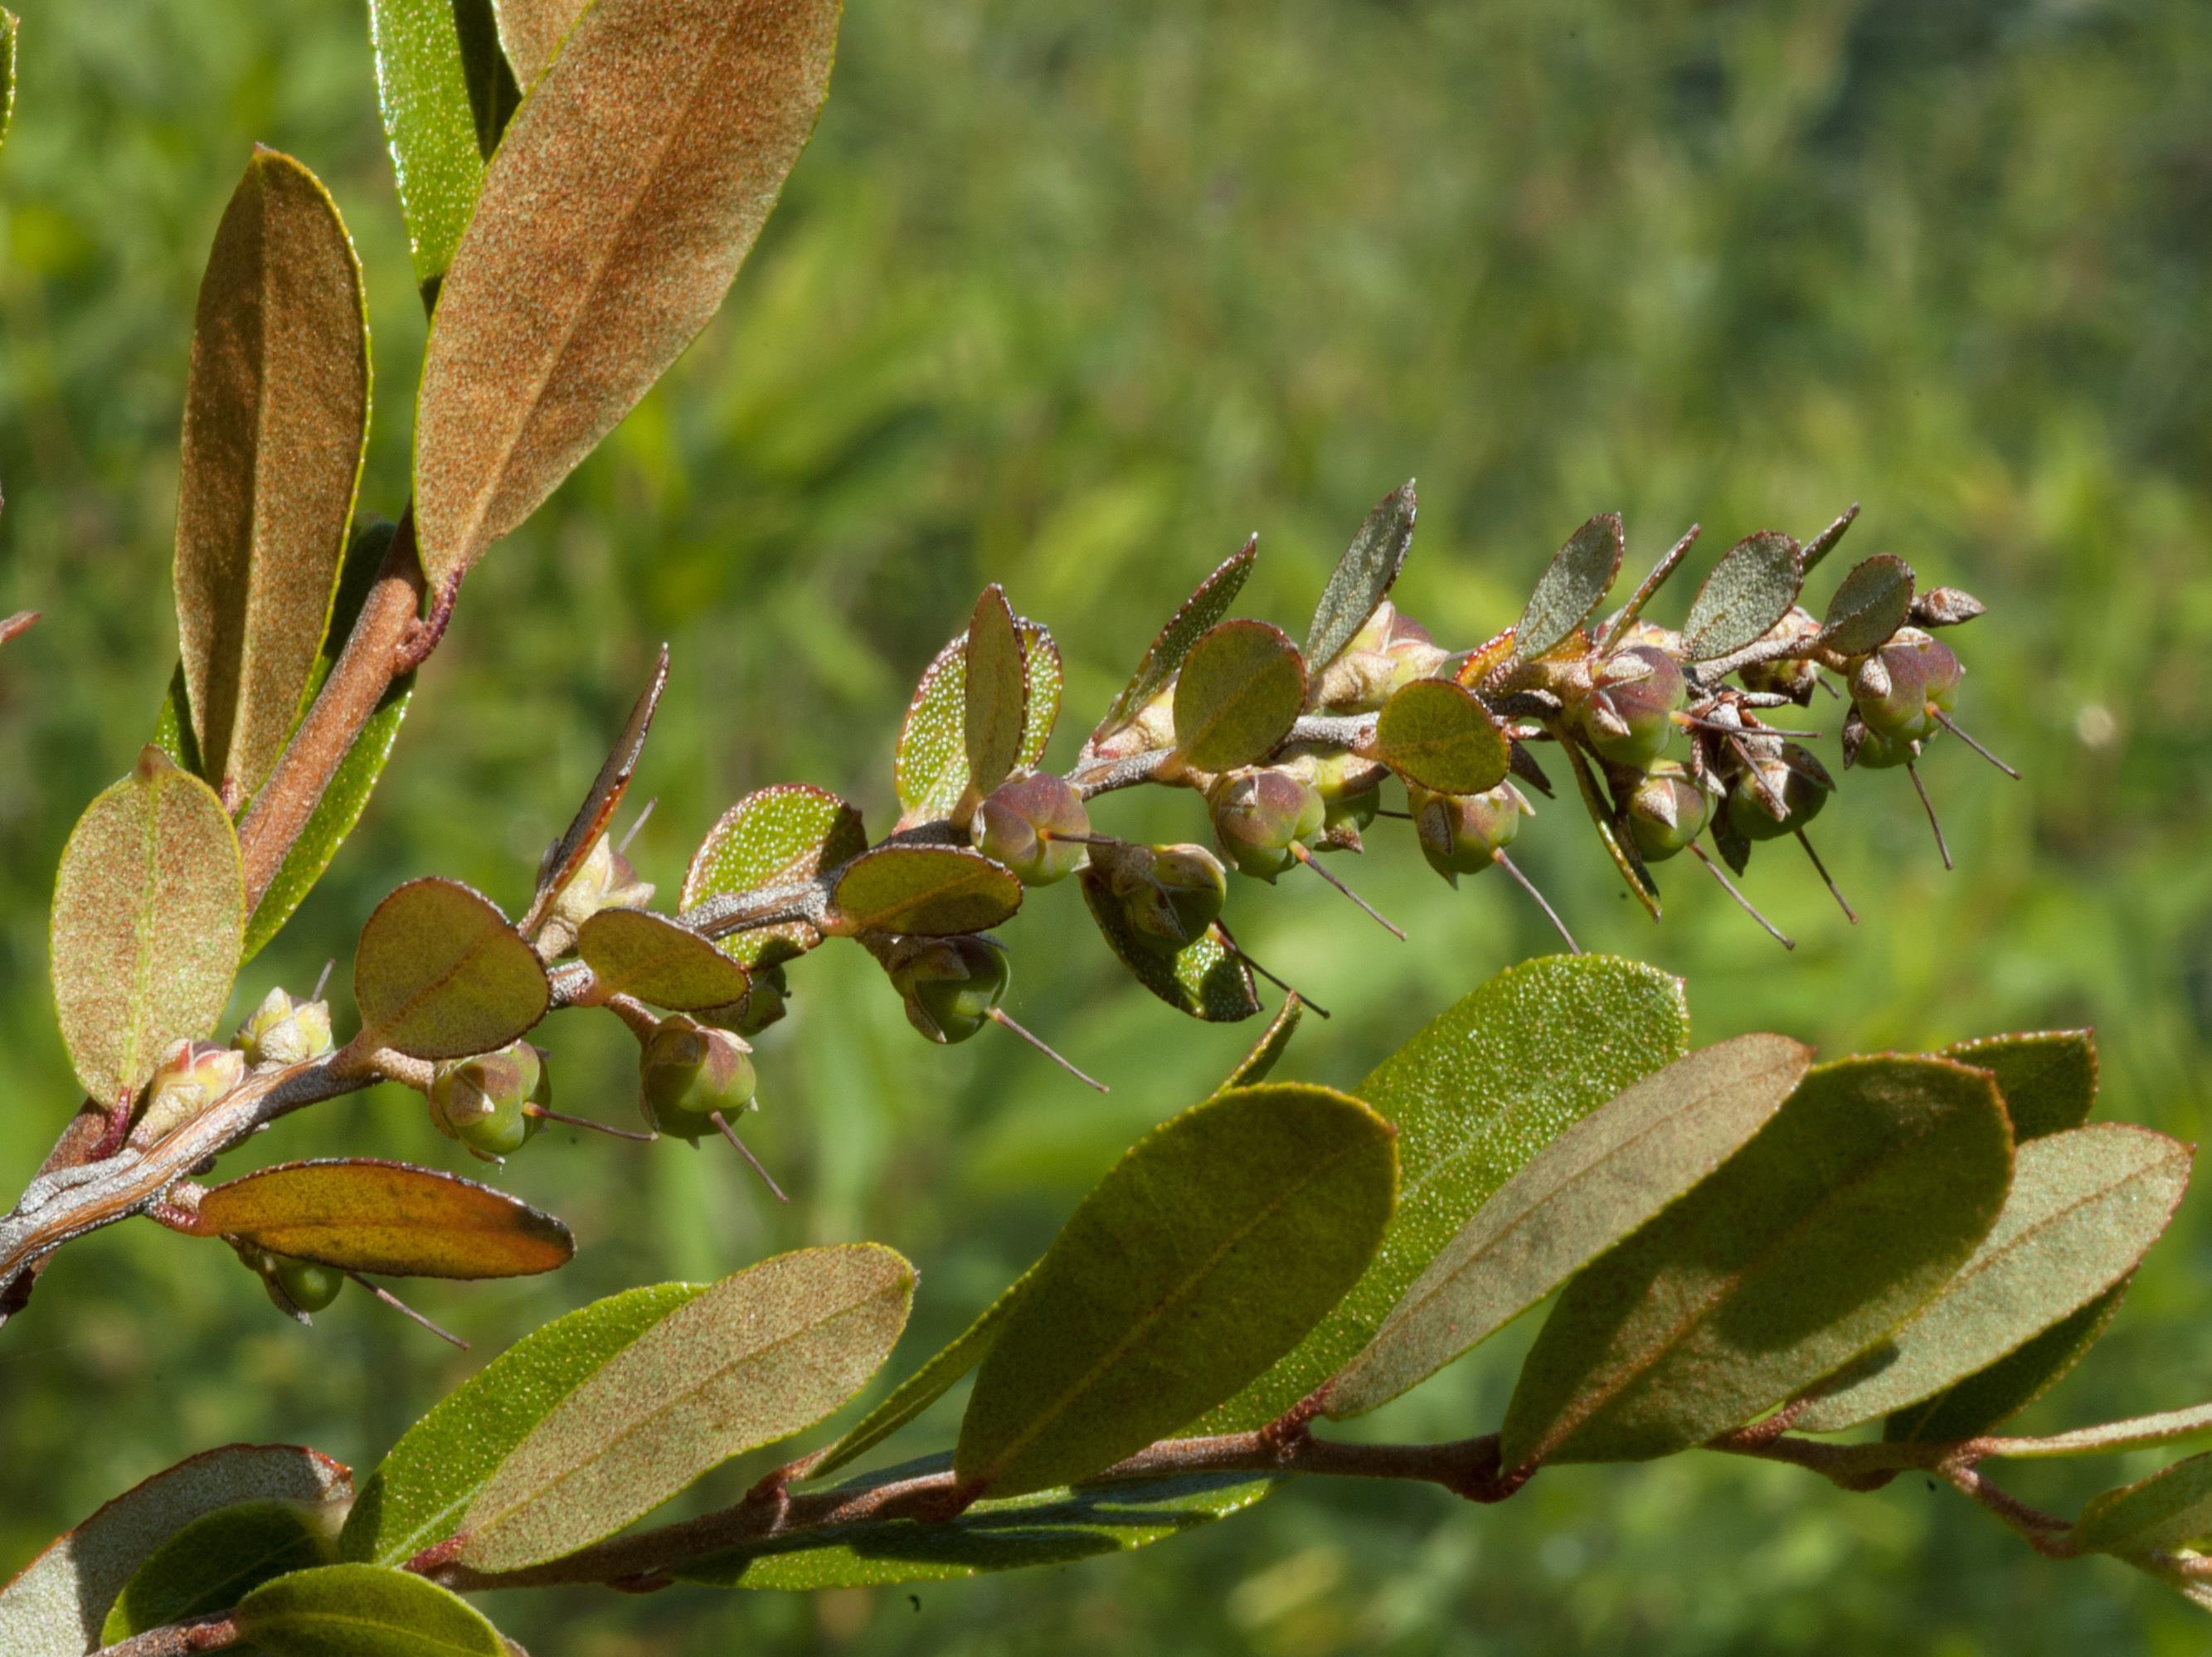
(1794, 777)
(1022, 823)
(1260, 814)
(480, 1101)
(308, 1284)
(1462, 833)
(1171, 897)
(1629, 716)
(951, 985)
(687, 1071)
(1901, 688)
(1667, 811)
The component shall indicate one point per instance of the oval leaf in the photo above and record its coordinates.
(1573, 585)
(1165, 1292)
(931, 766)
(628, 190)
(215, 1560)
(2171, 1509)
(1983, 1402)
(417, 1496)
(1474, 1095)
(2048, 1078)
(569, 853)
(933, 891)
(1238, 694)
(362, 1215)
(1363, 576)
(439, 974)
(1163, 658)
(432, 77)
(778, 837)
(1042, 676)
(652, 958)
(363, 1610)
(2086, 1206)
(1591, 1186)
(1869, 606)
(995, 686)
(1438, 734)
(762, 1355)
(276, 427)
(1751, 589)
(1854, 1206)
(149, 910)
(1204, 978)
(57, 1605)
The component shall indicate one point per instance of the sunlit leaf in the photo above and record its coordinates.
(1862, 1197)
(1438, 734)
(363, 1214)
(762, 1355)
(1475, 1093)
(1984, 1401)
(1042, 676)
(1166, 1291)
(531, 32)
(1204, 978)
(931, 763)
(423, 71)
(933, 891)
(216, 1560)
(1591, 1186)
(440, 974)
(1273, 1042)
(1363, 576)
(1238, 694)
(149, 907)
(363, 1610)
(2171, 1509)
(783, 836)
(1045, 1527)
(1163, 658)
(1751, 589)
(632, 952)
(628, 190)
(996, 691)
(57, 1603)
(2086, 1206)
(276, 423)
(1573, 585)
(2048, 1078)
(569, 852)
(1872, 603)
(417, 1496)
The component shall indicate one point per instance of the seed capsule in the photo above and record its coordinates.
(1629, 716)
(1259, 815)
(1351, 789)
(1020, 824)
(480, 1102)
(308, 1284)
(688, 1071)
(1461, 833)
(1900, 687)
(950, 985)
(282, 1031)
(192, 1075)
(1667, 811)
(1796, 778)
(1171, 893)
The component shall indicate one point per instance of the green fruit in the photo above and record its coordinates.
(1259, 815)
(1879, 750)
(308, 1284)
(1899, 690)
(1461, 833)
(1667, 811)
(688, 1071)
(1629, 716)
(480, 1101)
(1800, 780)
(1171, 893)
(1017, 824)
(950, 985)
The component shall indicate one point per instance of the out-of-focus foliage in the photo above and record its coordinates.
(1073, 301)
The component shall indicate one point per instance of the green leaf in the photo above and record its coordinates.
(933, 891)
(628, 190)
(362, 1215)
(1204, 978)
(1573, 585)
(1984, 1402)
(2085, 1207)
(1166, 1291)
(1438, 734)
(1042, 675)
(276, 427)
(439, 974)
(1593, 1185)
(423, 91)
(363, 1610)
(1751, 588)
(1045, 1527)
(149, 908)
(1163, 658)
(1854, 1206)
(995, 688)
(2112, 1437)
(930, 767)
(1872, 603)
(1363, 576)
(2171, 1509)
(216, 1560)
(1273, 1042)
(347, 795)
(778, 837)
(2048, 1078)
(8, 27)
(417, 1496)
(1475, 1094)
(573, 850)
(650, 956)
(57, 1605)
(763, 1354)
(531, 32)
(1238, 694)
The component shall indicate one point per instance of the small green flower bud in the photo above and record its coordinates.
(1898, 689)
(1172, 894)
(950, 985)
(605, 881)
(1629, 716)
(1460, 833)
(764, 1003)
(1018, 823)
(1790, 678)
(480, 1101)
(688, 1071)
(1667, 811)
(192, 1075)
(1796, 777)
(282, 1031)
(1259, 815)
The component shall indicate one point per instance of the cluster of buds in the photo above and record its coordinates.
(193, 1075)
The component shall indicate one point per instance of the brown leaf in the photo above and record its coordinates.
(531, 32)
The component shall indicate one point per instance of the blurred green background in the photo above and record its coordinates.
(1075, 300)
